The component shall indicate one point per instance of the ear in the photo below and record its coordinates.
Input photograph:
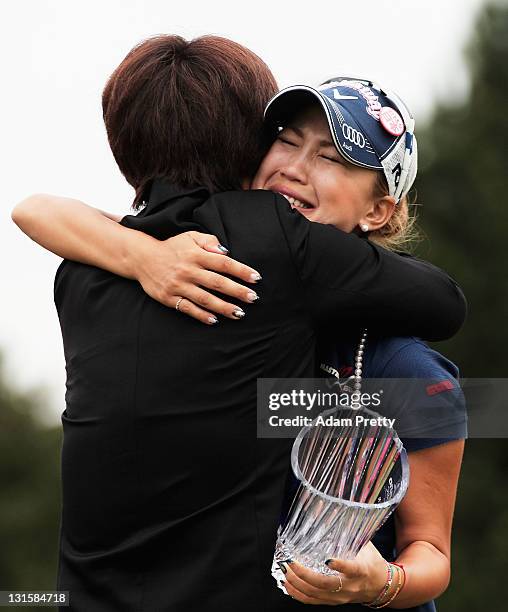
(379, 213)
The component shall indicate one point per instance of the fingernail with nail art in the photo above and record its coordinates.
(282, 567)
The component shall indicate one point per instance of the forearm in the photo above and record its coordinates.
(72, 230)
(427, 574)
(368, 285)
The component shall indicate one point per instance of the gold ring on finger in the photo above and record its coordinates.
(339, 587)
(177, 307)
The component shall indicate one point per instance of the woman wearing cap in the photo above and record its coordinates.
(423, 532)
(343, 120)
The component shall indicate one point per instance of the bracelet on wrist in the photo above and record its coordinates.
(400, 584)
(403, 571)
(385, 589)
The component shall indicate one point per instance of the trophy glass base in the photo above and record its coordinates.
(281, 554)
(284, 552)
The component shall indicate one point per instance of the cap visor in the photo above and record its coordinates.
(289, 101)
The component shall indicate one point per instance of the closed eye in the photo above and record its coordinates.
(285, 140)
(332, 159)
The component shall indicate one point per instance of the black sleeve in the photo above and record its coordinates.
(350, 280)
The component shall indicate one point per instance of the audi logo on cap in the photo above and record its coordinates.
(354, 136)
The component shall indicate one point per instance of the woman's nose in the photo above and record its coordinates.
(295, 169)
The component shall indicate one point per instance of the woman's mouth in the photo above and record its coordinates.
(297, 203)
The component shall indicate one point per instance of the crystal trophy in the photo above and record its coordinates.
(350, 477)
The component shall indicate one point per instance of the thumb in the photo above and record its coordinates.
(349, 568)
(209, 242)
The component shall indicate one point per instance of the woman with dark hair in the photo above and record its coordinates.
(198, 97)
(169, 500)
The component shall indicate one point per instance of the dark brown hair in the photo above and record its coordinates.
(189, 111)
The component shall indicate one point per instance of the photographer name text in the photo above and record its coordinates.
(330, 421)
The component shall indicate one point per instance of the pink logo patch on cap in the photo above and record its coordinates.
(391, 121)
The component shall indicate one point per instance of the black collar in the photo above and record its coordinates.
(168, 211)
(162, 193)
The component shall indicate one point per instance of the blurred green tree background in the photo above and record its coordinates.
(461, 185)
(29, 492)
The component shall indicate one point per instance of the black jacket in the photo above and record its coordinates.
(170, 503)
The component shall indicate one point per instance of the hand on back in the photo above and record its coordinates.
(192, 266)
